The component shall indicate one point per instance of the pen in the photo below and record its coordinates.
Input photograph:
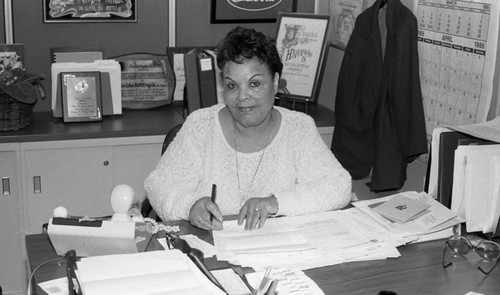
(264, 284)
(212, 198)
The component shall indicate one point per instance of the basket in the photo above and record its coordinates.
(14, 115)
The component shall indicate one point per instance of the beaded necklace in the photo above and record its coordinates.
(261, 155)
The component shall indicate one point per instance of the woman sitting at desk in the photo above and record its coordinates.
(265, 160)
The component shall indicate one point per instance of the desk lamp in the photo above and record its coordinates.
(122, 197)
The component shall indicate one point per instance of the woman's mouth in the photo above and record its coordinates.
(245, 109)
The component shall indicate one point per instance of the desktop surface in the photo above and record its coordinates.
(417, 271)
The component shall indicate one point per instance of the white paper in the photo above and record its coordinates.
(435, 215)
(335, 236)
(433, 172)
(489, 130)
(476, 186)
(154, 272)
(289, 281)
(231, 282)
(56, 286)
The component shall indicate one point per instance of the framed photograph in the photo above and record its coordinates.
(64, 11)
(81, 96)
(302, 41)
(233, 11)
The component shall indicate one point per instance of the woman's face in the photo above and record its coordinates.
(249, 90)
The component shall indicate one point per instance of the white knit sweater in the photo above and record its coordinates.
(297, 167)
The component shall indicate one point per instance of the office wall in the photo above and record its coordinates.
(149, 34)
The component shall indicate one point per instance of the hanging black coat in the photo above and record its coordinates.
(378, 108)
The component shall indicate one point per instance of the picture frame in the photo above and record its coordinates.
(82, 11)
(232, 11)
(147, 80)
(302, 40)
(81, 96)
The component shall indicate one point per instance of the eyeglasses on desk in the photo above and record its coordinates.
(457, 246)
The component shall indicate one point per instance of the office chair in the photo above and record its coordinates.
(146, 208)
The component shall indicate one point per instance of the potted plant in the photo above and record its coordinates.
(19, 91)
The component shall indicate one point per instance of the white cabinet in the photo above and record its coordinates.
(12, 267)
(80, 174)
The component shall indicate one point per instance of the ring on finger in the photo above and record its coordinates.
(256, 209)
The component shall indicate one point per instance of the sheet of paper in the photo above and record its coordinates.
(433, 171)
(231, 282)
(489, 130)
(476, 186)
(195, 242)
(289, 281)
(55, 287)
(153, 272)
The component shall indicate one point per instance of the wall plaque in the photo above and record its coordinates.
(81, 96)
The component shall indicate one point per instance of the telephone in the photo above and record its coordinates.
(100, 236)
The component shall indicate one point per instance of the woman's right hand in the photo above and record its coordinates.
(200, 212)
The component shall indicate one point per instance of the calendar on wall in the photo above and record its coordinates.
(457, 44)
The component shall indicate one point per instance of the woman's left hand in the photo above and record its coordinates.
(256, 211)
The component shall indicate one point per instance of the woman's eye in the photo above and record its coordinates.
(231, 85)
(255, 83)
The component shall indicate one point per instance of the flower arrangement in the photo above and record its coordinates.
(19, 91)
(17, 83)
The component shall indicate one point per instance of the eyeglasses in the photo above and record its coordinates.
(458, 245)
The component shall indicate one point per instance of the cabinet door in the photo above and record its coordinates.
(133, 163)
(77, 178)
(12, 269)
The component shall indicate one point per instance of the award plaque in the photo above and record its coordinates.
(81, 96)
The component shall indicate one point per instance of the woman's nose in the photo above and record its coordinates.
(243, 94)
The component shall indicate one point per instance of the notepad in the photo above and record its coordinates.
(401, 208)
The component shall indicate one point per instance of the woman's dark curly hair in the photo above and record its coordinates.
(241, 44)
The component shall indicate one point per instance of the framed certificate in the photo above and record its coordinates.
(302, 41)
(85, 11)
(81, 96)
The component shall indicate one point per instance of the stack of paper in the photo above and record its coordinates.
(435, 217)
(155, 272)
(476, 186)
(304, 242)
(400, 208)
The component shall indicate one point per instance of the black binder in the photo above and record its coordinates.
(448, 143)
(201, 87)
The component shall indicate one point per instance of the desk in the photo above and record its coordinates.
(417, 271)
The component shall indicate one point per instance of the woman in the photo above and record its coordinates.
(265, 160)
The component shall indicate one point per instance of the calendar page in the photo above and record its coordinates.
(457, 44)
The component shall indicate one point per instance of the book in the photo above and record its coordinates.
(401, 208)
